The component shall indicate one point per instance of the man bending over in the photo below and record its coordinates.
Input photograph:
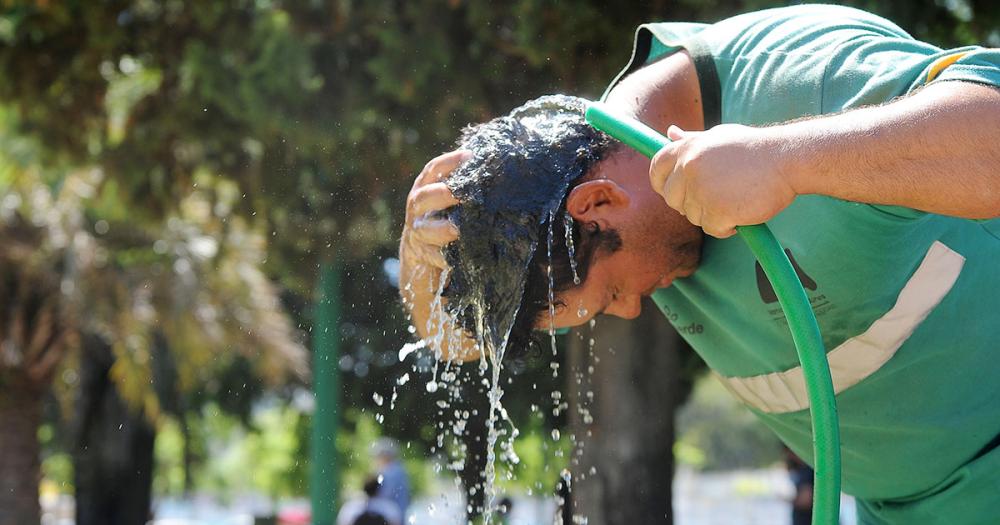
(875, 160)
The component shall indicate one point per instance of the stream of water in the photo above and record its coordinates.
(511, 193)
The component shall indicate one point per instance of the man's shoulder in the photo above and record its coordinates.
(813, 16)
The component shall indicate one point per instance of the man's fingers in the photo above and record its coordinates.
(430, 198)
(693, 211)
(434, 257)
(424, 253)
(435, 232)
(676, 133)
(674, 192)
(720, 232)
(717, 227)
(438, 168)
(661, 167)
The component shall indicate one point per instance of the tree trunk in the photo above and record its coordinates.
(187, 456)
(20, 469)
(473, 474)
(623, 466)
(113, 460)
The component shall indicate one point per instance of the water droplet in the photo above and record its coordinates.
(432, 386)
(409, 348)
(571, 250)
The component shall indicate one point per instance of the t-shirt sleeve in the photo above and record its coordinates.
(972, 64)
(873, 71)
(782, 64)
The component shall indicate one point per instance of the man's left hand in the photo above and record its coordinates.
(728, 176)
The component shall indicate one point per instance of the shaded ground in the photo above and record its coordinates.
(752, 497)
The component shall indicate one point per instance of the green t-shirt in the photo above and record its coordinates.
(908, 302)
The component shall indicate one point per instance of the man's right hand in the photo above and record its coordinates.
(425, 234)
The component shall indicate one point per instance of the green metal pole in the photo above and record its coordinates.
(324, 471)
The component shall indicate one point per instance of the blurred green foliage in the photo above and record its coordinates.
(57, 466)
(542, 459)
(361, 430)
(263, 457)
(715, 432)
(276, 135)
(267, 456)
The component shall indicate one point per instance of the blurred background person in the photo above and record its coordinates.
(372, 509)
(394, 482)
(801, 476)
(504, 509)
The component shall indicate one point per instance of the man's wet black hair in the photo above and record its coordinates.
(523, 167)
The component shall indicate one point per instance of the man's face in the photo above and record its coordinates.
(616, 284)
(658, 244)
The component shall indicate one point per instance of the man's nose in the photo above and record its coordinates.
(626, 307)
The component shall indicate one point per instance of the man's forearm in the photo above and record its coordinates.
(937, 150)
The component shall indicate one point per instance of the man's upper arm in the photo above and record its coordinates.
(775, 65)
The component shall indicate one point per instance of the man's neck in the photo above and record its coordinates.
(660, 95)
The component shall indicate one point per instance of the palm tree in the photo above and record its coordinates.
(36, 329)
(192, 284)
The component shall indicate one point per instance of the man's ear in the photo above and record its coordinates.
(597, 199)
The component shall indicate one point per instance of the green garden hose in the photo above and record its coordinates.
(795, 304)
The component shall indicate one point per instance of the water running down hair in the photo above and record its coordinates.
(516, 183)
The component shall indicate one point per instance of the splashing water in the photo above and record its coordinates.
(568, 225)
(552, 298)
(409, 348)
(511, 192)
(552, 286)
(488, 282)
